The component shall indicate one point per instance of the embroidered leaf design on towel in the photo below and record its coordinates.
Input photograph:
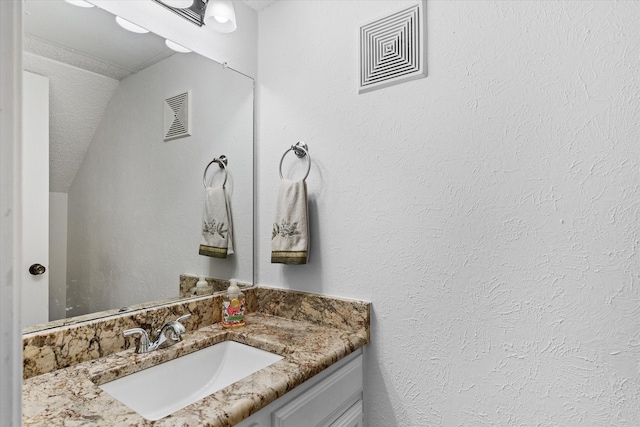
(285, 229)
(211, 227)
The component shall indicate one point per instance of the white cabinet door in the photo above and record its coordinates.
(353, 417)
(326, 401)
(333, 398)
(259, 419)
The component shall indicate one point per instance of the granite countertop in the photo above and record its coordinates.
(71, 396)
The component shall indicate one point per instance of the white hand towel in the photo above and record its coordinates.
(290, 236)
(217, 235)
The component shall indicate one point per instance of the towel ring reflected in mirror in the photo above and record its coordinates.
(301, 150)
(222, 162)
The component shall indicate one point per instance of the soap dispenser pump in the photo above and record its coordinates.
(202, 287)
(202, 282)
(233, 306)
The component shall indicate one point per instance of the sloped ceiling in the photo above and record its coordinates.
(77, 101)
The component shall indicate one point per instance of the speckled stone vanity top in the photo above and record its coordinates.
(316, 333)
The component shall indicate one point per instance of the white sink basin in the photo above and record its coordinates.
(161, 390)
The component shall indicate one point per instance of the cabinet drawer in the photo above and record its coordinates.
(325, 400)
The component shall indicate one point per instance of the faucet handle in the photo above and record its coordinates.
(143, 344)
(180, 328)
(182, 318)
(178, 320)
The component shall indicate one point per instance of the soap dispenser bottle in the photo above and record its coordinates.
(233, 305)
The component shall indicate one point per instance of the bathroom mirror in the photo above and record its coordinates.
(129, 198)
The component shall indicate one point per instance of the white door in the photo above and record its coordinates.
(35, 200)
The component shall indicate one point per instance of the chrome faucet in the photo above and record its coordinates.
(167, 336)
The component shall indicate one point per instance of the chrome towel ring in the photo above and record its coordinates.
(301, 150)
(222, 162)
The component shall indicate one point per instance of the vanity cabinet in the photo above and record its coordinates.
(333, 398)
(354, 417)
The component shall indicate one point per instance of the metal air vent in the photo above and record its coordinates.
(176, 116)
(393, 49)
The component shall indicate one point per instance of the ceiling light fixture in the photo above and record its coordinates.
(220, 16)
(177, 47)
(193, 14)
(180, 4)
(130, 26)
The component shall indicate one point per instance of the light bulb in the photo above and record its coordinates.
(177, 47)
(220, 16)
(130, 26)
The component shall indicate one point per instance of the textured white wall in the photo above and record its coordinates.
(490, 211)
(135, 205)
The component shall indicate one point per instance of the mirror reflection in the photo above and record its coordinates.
(126, 201)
